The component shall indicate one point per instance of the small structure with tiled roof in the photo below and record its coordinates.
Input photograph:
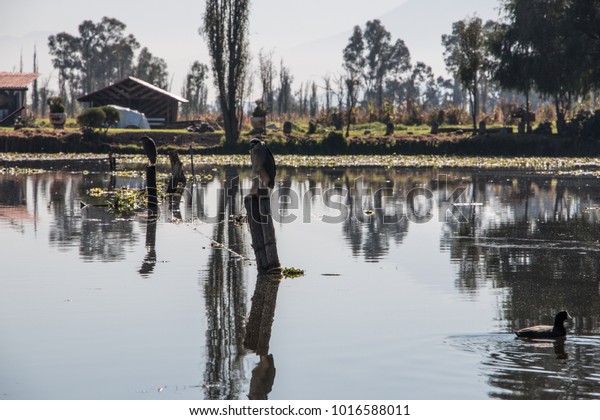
(13, 95)
(159, 106)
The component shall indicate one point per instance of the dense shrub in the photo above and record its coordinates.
(100, 117)
(112, 116)
(91, 118)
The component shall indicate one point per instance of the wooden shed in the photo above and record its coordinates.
(159, 106)
(13, 95)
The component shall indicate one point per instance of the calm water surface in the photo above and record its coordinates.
(404, 296)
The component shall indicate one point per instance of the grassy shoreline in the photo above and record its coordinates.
(127, 142)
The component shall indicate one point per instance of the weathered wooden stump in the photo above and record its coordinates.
(258, 209)
(262, 312)
(151, 190)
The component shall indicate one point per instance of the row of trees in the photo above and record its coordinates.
(540, 49)
(103, 53)
(549, 46)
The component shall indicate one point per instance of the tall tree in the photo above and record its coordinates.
(64, 48)
(106, 53)
(35, 94)
(195, 89)
(354, 64)
(101, 54)
(465, 56)
(554, 47)
(313, 101)
(267, 73)
(328, 93)
(382, 58)
(284, 96)
(225, 27)
(152, 69)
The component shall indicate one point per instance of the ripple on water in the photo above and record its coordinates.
(536, 369)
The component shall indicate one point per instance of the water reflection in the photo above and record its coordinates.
(532, 239)
(537, 369)
(225, 295)
(150, 259)
(264, 300)
(536, 237)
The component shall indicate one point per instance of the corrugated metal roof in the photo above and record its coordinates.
(16, 80)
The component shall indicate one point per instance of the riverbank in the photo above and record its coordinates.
(332, 143)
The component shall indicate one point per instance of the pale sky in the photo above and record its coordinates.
(309, 35)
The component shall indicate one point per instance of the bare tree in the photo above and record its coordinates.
(285, 90)
(225, 27)
(314, 100)
(267, 73)
(328, 93)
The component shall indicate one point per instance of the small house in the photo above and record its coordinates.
(159, 106)
(13, 95)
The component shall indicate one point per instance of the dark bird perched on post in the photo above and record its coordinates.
(149, 149)
(263, 164)
(547, 331)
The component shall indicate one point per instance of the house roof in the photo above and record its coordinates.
(131, 87)
(16, 80)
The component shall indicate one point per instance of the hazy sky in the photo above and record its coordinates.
(309, 35)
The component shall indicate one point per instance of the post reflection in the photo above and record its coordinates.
(150, 259)
(529, 241)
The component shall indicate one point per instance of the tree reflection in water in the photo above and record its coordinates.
(534, 239)
(225, 294)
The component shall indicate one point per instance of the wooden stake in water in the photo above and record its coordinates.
(192, 160)
(151, 153)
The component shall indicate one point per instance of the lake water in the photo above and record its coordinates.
(414, 281)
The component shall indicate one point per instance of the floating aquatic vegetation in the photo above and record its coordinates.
(135, 164)
(292, 272)
(120, 201)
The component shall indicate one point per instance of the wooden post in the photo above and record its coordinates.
(258, 209)
(151, 189)
(192, 161)
(262, 312)
(112, 162)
